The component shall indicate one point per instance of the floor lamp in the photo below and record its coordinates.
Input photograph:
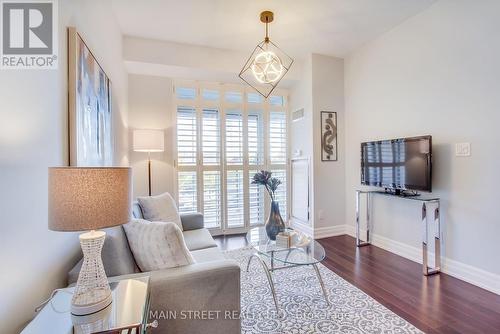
(149, 141)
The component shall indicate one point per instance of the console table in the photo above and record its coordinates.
(425, 235)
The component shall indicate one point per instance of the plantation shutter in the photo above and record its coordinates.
(211, 137)
(277, 138)
(224, 135)
(234, 137)
(235, 200)
(187, 192)
(186, 136)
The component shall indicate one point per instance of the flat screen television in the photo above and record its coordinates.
(398, 164)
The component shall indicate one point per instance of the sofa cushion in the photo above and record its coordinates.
(198, 239)
(161, 208)
(116, 255)
(137, 211)
(157, 245)
(208, 254)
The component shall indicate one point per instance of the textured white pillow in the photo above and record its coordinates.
(157, 245)
(161, 208)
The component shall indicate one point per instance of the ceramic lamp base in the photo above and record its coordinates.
(92, 292)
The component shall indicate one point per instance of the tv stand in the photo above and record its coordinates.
(425, 237)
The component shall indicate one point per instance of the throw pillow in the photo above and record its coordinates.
(161, 208)
(157, 245)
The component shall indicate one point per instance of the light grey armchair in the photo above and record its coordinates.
(210, 284)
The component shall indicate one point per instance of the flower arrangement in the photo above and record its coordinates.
(264, 178)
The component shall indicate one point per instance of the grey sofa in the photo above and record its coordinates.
(210, 284)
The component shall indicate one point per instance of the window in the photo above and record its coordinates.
(256, 201)
(255, 137)
(225, 135)
(211, 137)
(277, 137)
(235, 200)
(234, 137)
(186, 136)
(187, 192)
(212, 198)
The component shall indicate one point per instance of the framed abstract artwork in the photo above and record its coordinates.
(328, 136)
(90, 109)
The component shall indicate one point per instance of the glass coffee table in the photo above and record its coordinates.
(279, 258)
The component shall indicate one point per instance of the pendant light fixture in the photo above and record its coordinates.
(267, 64)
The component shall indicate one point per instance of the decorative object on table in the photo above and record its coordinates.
(267, 64)
(274, 223)
(283, 240)
(300, 240)
(89, 105)
(149, 141)
(291, 238)
(87, 199)
(328, 136)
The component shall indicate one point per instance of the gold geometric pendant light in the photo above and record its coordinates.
(267, 64)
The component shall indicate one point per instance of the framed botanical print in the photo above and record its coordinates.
(90, 109)
(328, 136)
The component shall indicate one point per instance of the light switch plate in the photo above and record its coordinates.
(462, 149)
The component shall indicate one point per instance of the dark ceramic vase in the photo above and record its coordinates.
(275, 223)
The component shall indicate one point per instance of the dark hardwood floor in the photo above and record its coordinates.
(435, 304)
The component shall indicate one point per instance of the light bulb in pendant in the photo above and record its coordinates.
(267, 67)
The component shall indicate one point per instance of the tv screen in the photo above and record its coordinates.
(401, 164)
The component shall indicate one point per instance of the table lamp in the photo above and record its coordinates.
(87, 199)
(148, 141)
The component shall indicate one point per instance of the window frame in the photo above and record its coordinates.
(223, 106)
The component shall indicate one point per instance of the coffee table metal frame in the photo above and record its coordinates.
(269, 270)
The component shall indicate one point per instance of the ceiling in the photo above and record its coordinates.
(328, 27)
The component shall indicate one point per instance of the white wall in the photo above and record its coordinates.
(150, 107)
(329, 185)
(321, 89)
(33, 136)
(192, 62)
(437, 73)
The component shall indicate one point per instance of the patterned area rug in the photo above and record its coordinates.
(302, 306)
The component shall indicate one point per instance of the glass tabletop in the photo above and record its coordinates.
(307, 254)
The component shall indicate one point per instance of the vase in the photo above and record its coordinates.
(275, 223)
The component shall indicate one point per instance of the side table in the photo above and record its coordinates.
(128, 313)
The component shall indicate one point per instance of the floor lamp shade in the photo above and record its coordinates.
(149, 140)
(87, 199)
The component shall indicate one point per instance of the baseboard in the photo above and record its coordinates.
(479, 277)
(329, 231)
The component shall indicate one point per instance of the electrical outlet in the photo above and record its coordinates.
(462, 150)
(321, 214)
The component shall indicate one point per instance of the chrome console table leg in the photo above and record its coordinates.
(321, 283)
(437, 241)
(359, 242)
(268, 275)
